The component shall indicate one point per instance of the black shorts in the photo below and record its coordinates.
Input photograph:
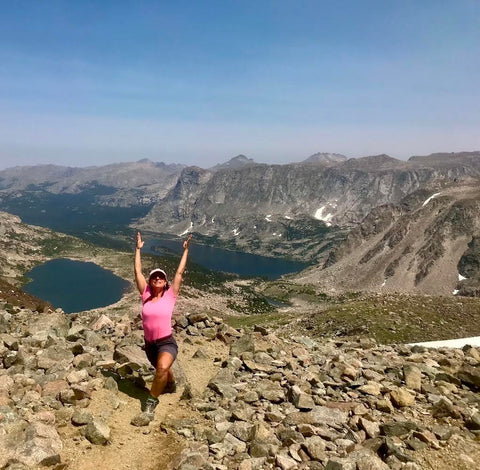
(154, 348)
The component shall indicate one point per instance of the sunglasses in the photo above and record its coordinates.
(157, 276)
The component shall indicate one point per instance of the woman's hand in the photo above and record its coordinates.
(187, 242)
(140, 242)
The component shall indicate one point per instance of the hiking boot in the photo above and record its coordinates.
(150, 405)
(171, 387)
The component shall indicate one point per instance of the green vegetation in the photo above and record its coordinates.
(396, 318)
(269, 320)
(58, 245)
(284, 291)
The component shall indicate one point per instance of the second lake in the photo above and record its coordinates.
(219, 259)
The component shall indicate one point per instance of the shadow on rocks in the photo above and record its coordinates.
(129, 387)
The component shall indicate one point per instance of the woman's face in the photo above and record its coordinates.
(158, 281)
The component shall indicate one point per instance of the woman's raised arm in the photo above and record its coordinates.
(177, 280)
(139, 277)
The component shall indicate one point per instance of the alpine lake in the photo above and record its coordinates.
(76, 286)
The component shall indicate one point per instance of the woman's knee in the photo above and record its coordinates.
(162, 370)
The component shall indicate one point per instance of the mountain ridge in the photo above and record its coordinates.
(299, 210)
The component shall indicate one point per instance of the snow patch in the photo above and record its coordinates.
(268, 217)
(430, 198)
(186, 231)
(235, 232)
(461, 278)
(451, 343)
(288, 217)
(213, 219)
(455, 292)
(325, 218)
(384, 282)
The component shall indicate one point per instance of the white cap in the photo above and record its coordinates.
(157, 270)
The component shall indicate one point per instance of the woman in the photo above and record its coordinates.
(158, 300)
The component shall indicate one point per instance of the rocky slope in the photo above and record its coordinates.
(428, 243)
(71, 386)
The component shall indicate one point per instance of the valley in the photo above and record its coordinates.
(324, 211)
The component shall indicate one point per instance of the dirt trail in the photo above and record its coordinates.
(141, 448)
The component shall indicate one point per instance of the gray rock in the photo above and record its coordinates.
(193, 457)
(197, 317)
(401, 428)
(300, 399)
(315, 448)
(192, 330)
(133, 355)
(338, 463)
(200, 354)
(371, 428)
(141, 419)
(412, 376)
(367, 461)
(473, 423)
(259, 448)
(390, 448)
(102, 323)
(223, 389)
(77, 376)
(271, 391)
(76, 332)
(444, 408)
(242, 430)
(320, 415)
(111, 384)
(81, 361)
(97, 432)
(470, 376)
(81, 417)
(285, 463)
(402, 398)
(243, 344)
(371, 388)
(42, 446)
(260, 329)
(443, 433)
(10, 342)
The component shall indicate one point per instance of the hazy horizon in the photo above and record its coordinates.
(90, 84)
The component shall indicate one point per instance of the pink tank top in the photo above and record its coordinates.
(157, 316)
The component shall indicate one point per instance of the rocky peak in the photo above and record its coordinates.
(445, 160)
(326, 158)
(374, 163)
(236, 162)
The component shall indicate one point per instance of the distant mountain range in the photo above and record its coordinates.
(327, 208)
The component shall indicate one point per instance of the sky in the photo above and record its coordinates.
(198, 82)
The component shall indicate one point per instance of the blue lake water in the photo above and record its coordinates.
(75, 286)
(218, 259)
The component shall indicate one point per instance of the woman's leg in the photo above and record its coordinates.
(162, 374)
